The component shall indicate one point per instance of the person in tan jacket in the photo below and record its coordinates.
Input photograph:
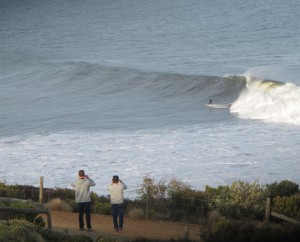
(116, 189)
(83, 198)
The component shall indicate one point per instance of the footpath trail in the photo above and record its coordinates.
(67, 222)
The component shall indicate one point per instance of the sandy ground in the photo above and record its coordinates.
(102, 226)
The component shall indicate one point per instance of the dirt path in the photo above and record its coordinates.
(102, 225)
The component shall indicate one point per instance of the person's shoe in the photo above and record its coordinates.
(90, 230)
(81, 229)
(120, 230)
(116, 229)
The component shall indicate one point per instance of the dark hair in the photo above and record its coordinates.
(115, 179)
(81, 172)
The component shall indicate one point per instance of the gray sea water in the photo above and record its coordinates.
(120, 87)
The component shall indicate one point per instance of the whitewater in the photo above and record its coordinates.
(122, 87)
(269, 101)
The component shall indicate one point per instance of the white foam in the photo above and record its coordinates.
(199, 155)
(269, 101)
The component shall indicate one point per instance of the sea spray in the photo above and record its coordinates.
(270, 101)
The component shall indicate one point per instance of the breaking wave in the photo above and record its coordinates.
(269, 101)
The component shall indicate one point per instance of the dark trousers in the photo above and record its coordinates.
(118, 212)
(84, 208)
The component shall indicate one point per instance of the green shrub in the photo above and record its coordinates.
(277, 233)
(217, 196)
(20, 215)
(289, 206)
(240, 200)
(185, 203)
(283, 188)
(250, 196)
(53, 236)
(96, 198)
(171, 200)
(15, 215)
(132, 204)
(12, 191)
(20, 204)
(156, 190)
(17, 230)
(234, 231)
(160, 208)
(102, 208)
(3, 204)
(21, 230)
(175, 185)
(177, 201)
(189, 203)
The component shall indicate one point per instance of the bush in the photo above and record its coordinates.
(240, 200)
(156, 190)
(18, 230)
(188, 203)
(217, 196)
(20, 215)
(21, 204)
(52, 236)
(21, 230)
(102, 199)
(173, 200)
(283, 188)
(28, 217)
(12, 191)
(102, 208)
(289, 206)
(234, 231)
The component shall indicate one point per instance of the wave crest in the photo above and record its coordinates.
(270, 101)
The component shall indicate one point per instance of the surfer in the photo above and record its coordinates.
(210, 101)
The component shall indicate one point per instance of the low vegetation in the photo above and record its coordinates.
(225, 213)
(18, 230)
(250, 231)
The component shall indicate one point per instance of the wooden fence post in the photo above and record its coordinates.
(49, 221)
(41, 197)
(186, 233)
(148, 203)
(268, 211)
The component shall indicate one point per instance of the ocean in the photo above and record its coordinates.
(122, 86)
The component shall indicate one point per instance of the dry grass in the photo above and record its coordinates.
(57, 204)
(136, 213)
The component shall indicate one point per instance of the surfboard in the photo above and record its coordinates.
(218, 105)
